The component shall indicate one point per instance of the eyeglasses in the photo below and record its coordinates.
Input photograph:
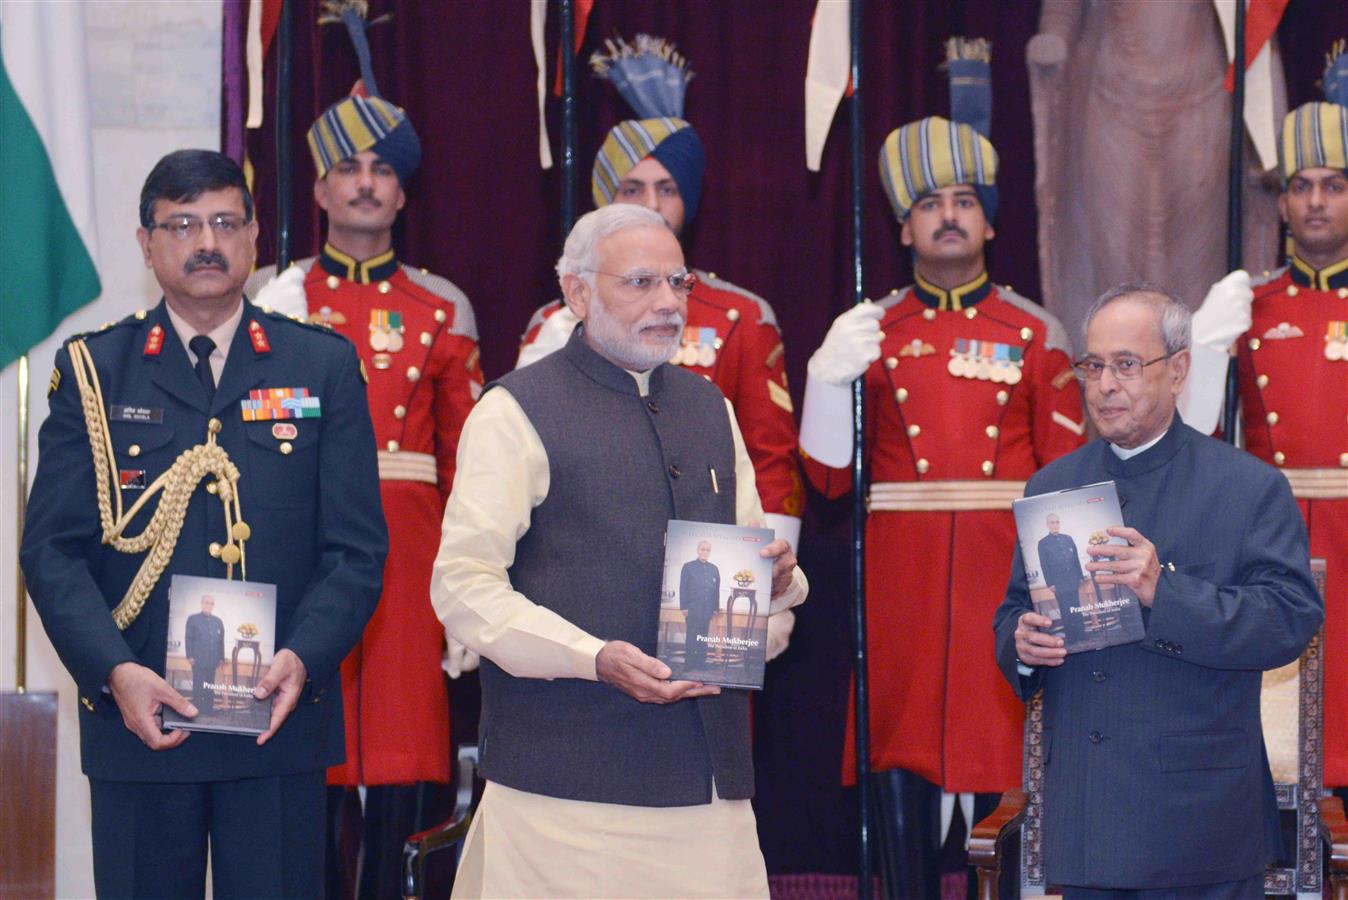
(680, 281)
(1129, 368)
(185, 228)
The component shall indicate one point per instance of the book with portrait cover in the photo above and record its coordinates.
(1055, 530)
(714, 604)
(221, 636)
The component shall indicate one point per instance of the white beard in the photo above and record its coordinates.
(624, 345)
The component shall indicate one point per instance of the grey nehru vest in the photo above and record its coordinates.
(621, 466)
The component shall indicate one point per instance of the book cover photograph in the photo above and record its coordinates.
(221, 636)
(1054, 531)
(714, 604)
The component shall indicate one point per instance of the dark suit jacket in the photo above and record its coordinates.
(1156, 773)
(204, 641)
(700, 587)
(1060, 562)
(312, 502)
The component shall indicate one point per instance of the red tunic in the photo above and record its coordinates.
(732, 339)
(1295, 402)
(423, 381)
(948, 453)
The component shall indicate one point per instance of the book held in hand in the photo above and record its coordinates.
(221, 636)
(714, 604)
(1055, 530)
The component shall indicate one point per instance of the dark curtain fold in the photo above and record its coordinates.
(482, 213)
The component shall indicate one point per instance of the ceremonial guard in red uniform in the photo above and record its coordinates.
(1294, 370)
(731, 337)
(417, 339)
(969, 391)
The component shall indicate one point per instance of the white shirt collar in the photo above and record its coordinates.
(1121, 453)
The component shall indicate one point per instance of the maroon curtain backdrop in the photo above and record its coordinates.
(482, 213)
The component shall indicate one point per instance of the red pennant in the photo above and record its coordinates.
(1261, 22)
(582, 8)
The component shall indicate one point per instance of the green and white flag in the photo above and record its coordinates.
(47, 235)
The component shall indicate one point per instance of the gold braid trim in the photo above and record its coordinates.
(178, 483)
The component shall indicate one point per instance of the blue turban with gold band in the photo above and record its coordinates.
(358, 123)
(364, 120)
(652, 77)
(1315, 135)
(672, 142)
(934, 153)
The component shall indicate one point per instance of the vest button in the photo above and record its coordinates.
(1099, 675)
(675, 471)
(1096, 737)
(652, 406)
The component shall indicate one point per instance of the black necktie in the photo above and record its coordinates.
(203, 347)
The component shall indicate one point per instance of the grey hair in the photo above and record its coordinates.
(579, 256)
(1173, 319)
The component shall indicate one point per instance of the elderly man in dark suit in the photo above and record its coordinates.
(160, 395)
(699, 598)
(204, 647)
(1157, 784)
(1060, 562)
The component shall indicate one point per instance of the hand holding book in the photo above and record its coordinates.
(1134, 566)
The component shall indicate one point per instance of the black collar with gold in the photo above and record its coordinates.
(955, 298)
(1327, 279)
(335, 262)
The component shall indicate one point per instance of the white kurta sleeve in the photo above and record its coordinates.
(502, 476)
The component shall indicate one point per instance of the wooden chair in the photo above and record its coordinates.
(1006, 848)
(448, 835)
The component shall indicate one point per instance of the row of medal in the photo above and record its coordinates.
(1336, 342)
(386, 336)
(698, 348)
(986, 361)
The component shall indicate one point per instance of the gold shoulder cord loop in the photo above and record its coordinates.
(160, 536)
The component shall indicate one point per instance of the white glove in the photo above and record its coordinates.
(779, 632)
(851, 345)
(458, 659)
(285, 294)
(553, 335)
(1223, 317)
(1225, 313)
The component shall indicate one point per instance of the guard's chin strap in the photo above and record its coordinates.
(178, 483)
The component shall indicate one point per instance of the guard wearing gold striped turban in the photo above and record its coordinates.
(971, 390)
(1294, 366)
(731, 335)
(934, 153)
(416, 336)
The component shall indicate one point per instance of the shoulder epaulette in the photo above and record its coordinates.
(765, 314)
(541, 314)
(464, 322)
(271, 315)
(893, 298)
(1268, 277)
(1055, 335)
(136, 318)
(267, 273)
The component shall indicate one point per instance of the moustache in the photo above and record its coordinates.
(949, 229)
(365, 197)
(206, 258)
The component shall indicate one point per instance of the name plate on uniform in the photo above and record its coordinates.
(122, 413)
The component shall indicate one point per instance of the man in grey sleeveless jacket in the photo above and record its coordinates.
(602, 776)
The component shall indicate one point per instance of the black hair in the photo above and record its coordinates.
(184, 175)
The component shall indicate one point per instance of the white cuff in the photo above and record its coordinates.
(826, 422)
(787, 527)
(1200, 403)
